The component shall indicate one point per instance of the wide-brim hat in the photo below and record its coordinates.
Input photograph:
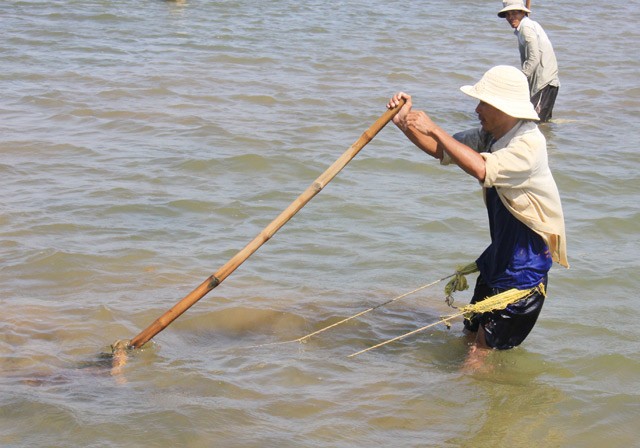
(512, 5)
(506, 88)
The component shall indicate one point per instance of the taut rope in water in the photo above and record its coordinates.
(458, 282)
(321, 330)
(498, 302)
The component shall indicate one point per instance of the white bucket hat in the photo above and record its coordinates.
(505, 88)
(512, 5)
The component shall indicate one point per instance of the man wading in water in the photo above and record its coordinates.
(508, 156)
(536, 56)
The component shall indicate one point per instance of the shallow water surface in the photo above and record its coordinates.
(144, 145)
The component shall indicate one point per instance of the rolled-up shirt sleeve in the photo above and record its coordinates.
(512, 166)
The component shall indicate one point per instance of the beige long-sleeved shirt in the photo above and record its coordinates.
(517, 165)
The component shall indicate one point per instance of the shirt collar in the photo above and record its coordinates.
(503, 141)
(517, 30)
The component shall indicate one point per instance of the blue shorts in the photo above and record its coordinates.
(508, 328)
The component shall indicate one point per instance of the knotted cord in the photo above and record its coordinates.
(459, 281)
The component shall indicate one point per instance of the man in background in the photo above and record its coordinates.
(536, 55)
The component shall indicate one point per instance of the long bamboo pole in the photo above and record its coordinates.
(218, 277)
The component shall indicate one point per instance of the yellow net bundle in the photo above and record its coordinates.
(494, 303)
(501, 301)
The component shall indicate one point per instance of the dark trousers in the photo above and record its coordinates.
(507, 328)
(543, 102)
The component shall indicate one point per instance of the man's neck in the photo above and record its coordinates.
(504, 128)
(521, 22)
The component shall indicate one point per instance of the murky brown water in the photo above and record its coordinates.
(144, 145)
